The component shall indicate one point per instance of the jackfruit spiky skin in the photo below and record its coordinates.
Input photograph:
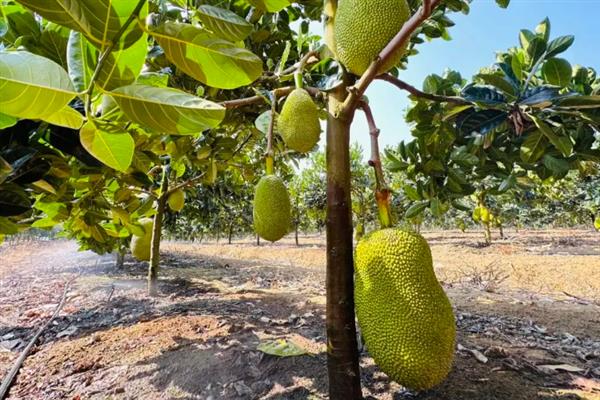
(272, 210)
(405, 317)
(363, 28)
(298, 122)
(140, 245)
(176, 200)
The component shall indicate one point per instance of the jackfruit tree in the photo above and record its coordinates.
(137, 100)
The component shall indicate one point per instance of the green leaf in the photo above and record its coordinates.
(559, 45)
(508, 183)
(6, 121)
(13, 201)
(19, 23)
(98, 20)
(559, 167)
(483, 94)
(536, 49)
(481, 122)
(525, 38)
(81, 59)
(557, 71)
(112, 149)
(53, 43)
(123, 67)
(32, 86)
(271, 6)
(212, 61)
(281, 348)
(67, 117)
(561, 143)
(167, 110)
(224, 23)
(499, 82)
(416, 209)
(533, 147)
(503, 3)
(543, 29)
(7, 227)
(579, 102)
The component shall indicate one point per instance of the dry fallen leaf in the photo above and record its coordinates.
(562, 367)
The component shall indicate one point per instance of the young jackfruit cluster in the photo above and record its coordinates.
(362, 29)
(272, 209)
(140, 245)
(404, 314)
(299, 122)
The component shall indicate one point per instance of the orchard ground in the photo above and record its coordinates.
(528, 314)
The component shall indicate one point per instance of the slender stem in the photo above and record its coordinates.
(90, 90)
(400, 84)
(357, 92)
(382, 192)
(342, 347)
(298, 79)
(280, 92)
(269, 155)
(185, 184)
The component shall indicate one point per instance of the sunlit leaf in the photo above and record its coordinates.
(533, 147)
(32, 86)
(557, 71)
(270, 5)
(67, 117)
(224, 23)
(167, 110)
(281, 348)
(207, 58)
(113, 149)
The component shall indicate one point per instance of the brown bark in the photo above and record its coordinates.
(342, 349)
(154, 264)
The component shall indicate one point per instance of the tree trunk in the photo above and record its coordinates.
(296, 233)
(488, 234)
(154, 263)
(501, 231)
(342, 349)
(230, 233)
(257, 240)
(120, 258)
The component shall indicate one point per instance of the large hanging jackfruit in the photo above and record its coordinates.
(363, 28)
(272, 210)
(298, 123)
(404, 314)
(140, 245)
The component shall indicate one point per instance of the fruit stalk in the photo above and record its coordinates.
(382, 192)
(269, 153)
(342, 349)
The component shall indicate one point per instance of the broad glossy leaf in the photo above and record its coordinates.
(53, 43)
(559, 167)
(580, 102)
(113, 149)
(67, 117)
(543, 29)
(536, 49)
(499, 82)
(207, 58)
(81, 59)
(32, 86)
(503, 3)
(557, 71)
(561, 142)
(98, 20)
(20, 22)
(481, 122)
(281, 348)
(541, 96)
(559, 45)
(224, 23)
(416, 209)
(533, 147)
(6, 121)
(483, 94)
(123, 67)
(272, 6)
(167, 110)
(13, 201)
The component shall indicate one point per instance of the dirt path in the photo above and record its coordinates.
(520, 335)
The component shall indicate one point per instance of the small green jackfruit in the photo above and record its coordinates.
(404, 314)
(298, 123)
(176, 200)
(140, 245)
(272, 210)
(363, 28)
(597, 223)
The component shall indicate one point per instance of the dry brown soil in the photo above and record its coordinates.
(527, 307)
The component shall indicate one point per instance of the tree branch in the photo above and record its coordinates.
(400, 84)
(358, 90)
(280, 92)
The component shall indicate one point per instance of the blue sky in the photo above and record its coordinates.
(475, 39)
